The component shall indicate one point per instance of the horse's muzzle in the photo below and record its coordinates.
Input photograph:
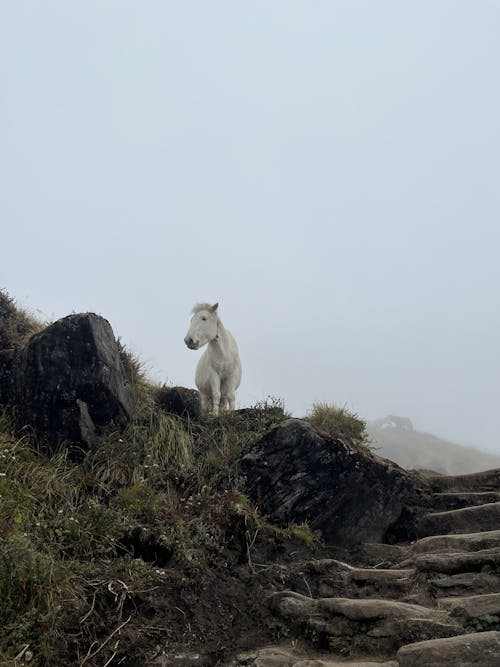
(193, 345)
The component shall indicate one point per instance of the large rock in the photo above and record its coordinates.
(68, 382)
(295, 473)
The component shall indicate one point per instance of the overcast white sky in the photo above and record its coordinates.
(328, 171)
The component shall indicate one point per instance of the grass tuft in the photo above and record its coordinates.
(16, 324)
(339, 423)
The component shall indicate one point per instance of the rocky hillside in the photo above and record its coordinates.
(395, 438)
(135, 531)
(432, 603)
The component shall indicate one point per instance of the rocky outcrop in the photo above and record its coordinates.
(68, 382)
(179, 401)
(296, 473)
(438, 605)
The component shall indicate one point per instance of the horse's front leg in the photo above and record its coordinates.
(204, 403)
(215, 391)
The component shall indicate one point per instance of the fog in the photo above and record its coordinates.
(328, 172)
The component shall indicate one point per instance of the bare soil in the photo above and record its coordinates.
(187, 614)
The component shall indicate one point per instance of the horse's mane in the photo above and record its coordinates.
(202, 306)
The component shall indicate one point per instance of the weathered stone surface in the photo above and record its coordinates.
(472, 606)
(341, 579)
(295, 473)
(179, 401)
(465, 520)
(67, 382)
(464, 583)
(368, 624)
(275, 656)
(454, 500)
(482, 649)
(452, 563)
(487, 480)
(455, 543)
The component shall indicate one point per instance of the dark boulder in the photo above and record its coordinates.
(67, 382)
(179, 401)
(294, 473)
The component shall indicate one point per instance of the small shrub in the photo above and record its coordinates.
(338, 422)
(302, 532)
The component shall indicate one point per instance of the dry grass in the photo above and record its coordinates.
(338, 422)
(16, 324)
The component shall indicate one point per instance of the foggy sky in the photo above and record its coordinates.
(328, 171)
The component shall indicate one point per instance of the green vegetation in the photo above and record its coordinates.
(62, 525)
(485, 622)
(80, 543)
(340, 645)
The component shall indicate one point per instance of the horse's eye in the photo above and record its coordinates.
(204, 319)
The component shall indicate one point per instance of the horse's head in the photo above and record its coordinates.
(204, 324)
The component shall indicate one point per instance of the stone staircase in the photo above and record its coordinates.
(433, 603)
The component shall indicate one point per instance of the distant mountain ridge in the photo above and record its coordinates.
(396, 439)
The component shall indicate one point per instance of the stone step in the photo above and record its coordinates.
(462, 542)
(277, 656)
(464, 583)
(336, 578)
(481, 649)
(453, 563)
(454, 500)
(466, 520)
(472, 607)
(487, 480)
(367, 626)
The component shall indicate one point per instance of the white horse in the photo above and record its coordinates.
(218, 374)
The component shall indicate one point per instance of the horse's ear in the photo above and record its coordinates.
(214, 307)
